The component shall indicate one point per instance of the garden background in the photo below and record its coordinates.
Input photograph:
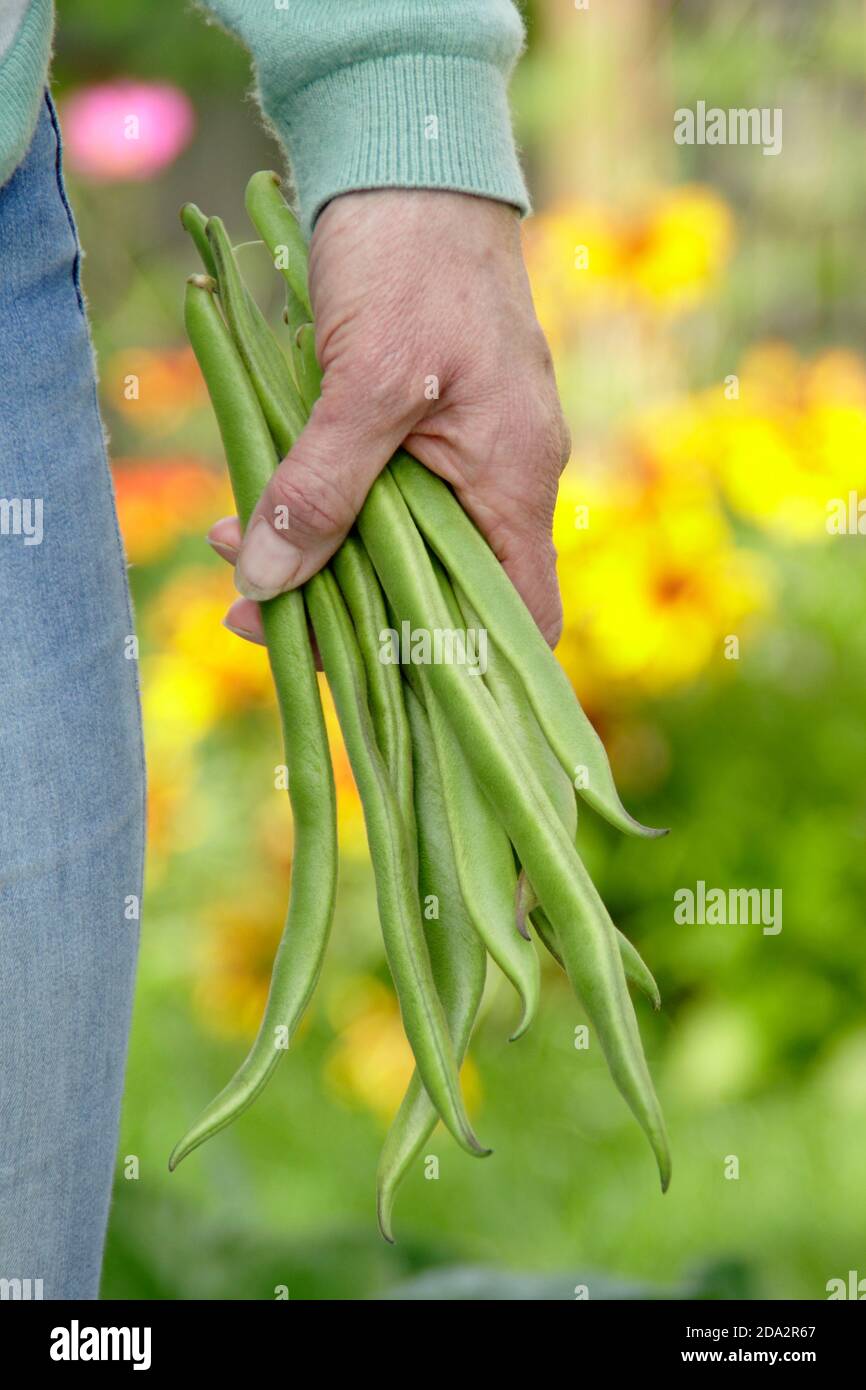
(706, 309)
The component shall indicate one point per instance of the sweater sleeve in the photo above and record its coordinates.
(386, 93)
(25, 45)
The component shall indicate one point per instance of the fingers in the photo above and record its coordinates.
(506, 479)
(314, 496)
(225, 537)
(531, 566)
(244, 619)
(514, 503)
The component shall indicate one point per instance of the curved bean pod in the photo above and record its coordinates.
(264, 360)
(390, 848)
(507, 690)
(457, 958)
(461, 548)
(193, 220)
(251, 458)
(307, 369)
(278, 227)
(393, 861)
(482, 850)
(505, 686)
(585, 933)
(359, 585)
(485, 864)
(637, 972)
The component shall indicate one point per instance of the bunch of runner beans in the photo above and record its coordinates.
(467, 778)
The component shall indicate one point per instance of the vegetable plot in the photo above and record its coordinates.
(467, 776)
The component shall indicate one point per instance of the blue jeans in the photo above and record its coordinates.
(71, 764)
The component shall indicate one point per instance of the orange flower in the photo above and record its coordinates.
(155, 390)
(159, 500)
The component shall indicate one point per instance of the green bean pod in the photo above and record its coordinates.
(507, 690)
(308, 373)
(393, 861)
(525, 903)
(391, 851)
(262, 356)
(194, 221)
(457, 958)
(637, 972)
(278, 227)
(585, 933)
(510, 695)
(485, 864)
(359, 585)
(482, 850)
(251, 459)
(461, 548)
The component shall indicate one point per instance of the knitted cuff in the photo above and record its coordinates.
(401, 121)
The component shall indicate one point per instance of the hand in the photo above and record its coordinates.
(427, 337)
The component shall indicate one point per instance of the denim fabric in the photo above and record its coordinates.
(71, 766)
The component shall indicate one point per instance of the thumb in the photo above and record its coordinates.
(313, 498)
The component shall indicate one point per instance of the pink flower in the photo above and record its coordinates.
(125, 129)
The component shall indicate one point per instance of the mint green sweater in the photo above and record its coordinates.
(363, 93)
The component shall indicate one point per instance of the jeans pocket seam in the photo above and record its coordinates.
(61, 188)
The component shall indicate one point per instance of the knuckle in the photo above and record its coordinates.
(308, 505)
(565, 442)
(552, 624)
(381, 378)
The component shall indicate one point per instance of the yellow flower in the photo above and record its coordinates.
(371, 1062)
(663, 256)
(682, 244)
(237, 958)
(350, 816)
(653, 583)
(792, 440)
(200, 672)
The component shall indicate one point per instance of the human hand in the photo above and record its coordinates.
(427, 337)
